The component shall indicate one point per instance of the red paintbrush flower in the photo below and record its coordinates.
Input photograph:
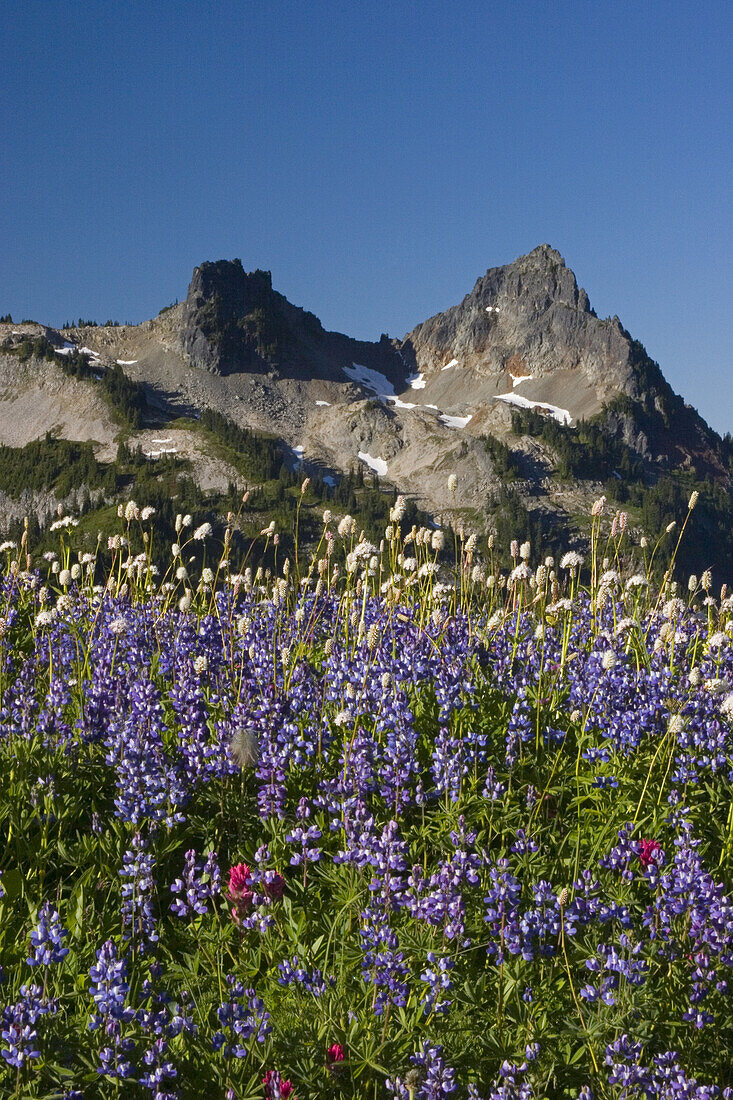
(647, 848)
(335, 1053)
(239, 889)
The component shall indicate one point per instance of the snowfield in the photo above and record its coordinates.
(370, 379)
(377, 464)
(455, 421)
(563, 416)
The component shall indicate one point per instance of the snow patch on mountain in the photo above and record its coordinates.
(455, 421)
(563, 416)
(370, 379)
(377, 464)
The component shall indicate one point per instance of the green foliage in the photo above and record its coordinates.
(31, 347)
(268, 329)
(126, 397)
(49, 464)
(587, 451)
(256, 455)
(483, 780)
(708, 539)
(506, 464)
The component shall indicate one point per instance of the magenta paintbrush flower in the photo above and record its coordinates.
(647, 850)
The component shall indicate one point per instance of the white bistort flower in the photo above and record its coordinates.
(397, 512)
(65, 521)
(637, 581)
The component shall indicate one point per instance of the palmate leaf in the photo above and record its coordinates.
(12, 883)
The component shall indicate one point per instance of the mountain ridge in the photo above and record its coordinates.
(451, 395)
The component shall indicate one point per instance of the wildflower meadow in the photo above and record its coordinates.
(372, 821)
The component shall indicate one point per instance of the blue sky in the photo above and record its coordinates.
(377, 158)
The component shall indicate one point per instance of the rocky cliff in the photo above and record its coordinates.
(232, 321)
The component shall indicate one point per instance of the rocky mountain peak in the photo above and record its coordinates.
(234, 322)
(529, 319)
(533, 282)
(220, 322)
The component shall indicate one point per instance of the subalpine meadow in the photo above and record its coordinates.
(373, 821)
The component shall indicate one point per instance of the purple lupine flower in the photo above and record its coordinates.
(109, 987)
(304, 837)
(291, 972)
(502, 911)
(244, 1021)
(664, 1078)
(19, 1026)
(431, 1078)
(198, 753)
(198, 885)
(383, 963)
(47, 939)
(149, 785)
(138, 918)
(160, 1070)
(437, 977)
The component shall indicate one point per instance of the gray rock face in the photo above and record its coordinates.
(233, 321)
(220, 296)
(527, 318)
